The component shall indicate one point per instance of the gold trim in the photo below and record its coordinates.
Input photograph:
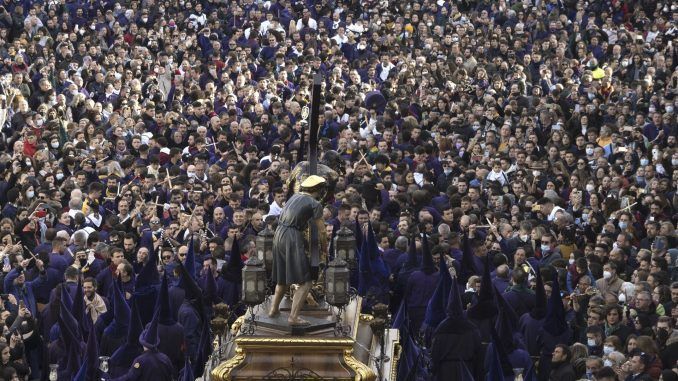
(362, 371)
(235, 327)
(254, 344)
(223, 371)
(367, 318)
(395, 357)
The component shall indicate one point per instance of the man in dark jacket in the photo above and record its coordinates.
(561, 369)
(639, 362)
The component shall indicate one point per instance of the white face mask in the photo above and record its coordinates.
(644, 162)
(524, 238)
(674, 162)
(571, 261)
(608, 363)
(607, 275)
(59, 176)
(607, 349)
(190, 174)
(589, 151)
(55, 145)
(591, 342)
(30, 194)
(590, 188)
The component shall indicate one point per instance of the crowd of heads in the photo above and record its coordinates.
(549, 124)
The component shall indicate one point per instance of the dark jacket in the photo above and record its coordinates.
(562, 372)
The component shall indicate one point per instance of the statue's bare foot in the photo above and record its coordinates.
(298, 322)
(274, 312)
(311, 301)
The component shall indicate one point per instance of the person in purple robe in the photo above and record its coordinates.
(115, 334)
(531, 322)
(555, 330)
(151, 364)
(170, 331)
(420, 287)
(456, 347)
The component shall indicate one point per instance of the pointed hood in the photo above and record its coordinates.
(149, 337)
(163, 304)
(68, 327)
(376, 260)
(506, 324)
(486, 306)
(455, 309)
(435, 310)
(554, 322)
(135, 326)
(210, 292)
(427, 265)
(125, 354)
(66, 297)
(497, 369)
(400, 318)
(193, 294)
(412, 259)
(364, 269)
(204, 351)
(121, 313)
(187, 372)
(359, 237)
(90, 366)
(539, 310)
(467, 266)
(148, 276)
(79, 309)
(189, 264)
(193, 291)
(233, 270)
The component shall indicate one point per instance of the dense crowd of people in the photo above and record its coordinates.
(527, 146)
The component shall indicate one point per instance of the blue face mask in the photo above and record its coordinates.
(623, 225)
(545, 248)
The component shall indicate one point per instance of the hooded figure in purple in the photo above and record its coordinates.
(484, 311)
(231, 272)
(115, 334)
(171, 333)
(511, 351)
(531, 322)
(456, 349)
(151, 365)
(122, 358)
(146, 286)
(191, 314)
(554, 331)
(420, 287)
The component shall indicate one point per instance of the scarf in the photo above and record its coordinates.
(95, 307)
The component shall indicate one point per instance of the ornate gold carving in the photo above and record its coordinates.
(235, 327)
(223, 371)
(362, 371)
(366, 318)
(395, 357)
